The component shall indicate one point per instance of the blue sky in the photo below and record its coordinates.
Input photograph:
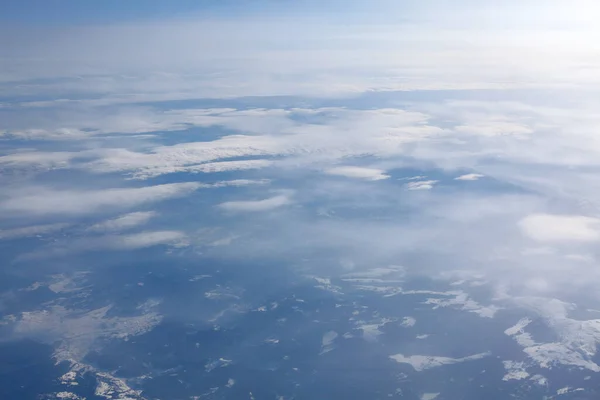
(77, 13)
(70, 12)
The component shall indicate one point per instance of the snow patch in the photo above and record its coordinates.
(514, 371)
(421, 363)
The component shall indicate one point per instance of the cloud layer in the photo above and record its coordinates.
(123, 222)
(42, 200)
(561, 228)
(459, 141)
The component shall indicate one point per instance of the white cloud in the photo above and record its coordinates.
(237, 182)
(181, 157)
(28, 231)
(223, 241)
(73, 123)
(392, 273)
(494, 128)
(469, 177)
(328, 342)
(278, 134)
(146, 239)
(256, 205)
(584, 258)
(42, 200)
(230, 166)
(123, 222)
(560, 228)
(344, 133)
(113, 242)
(38, 159)
(370, 174)
(339, 55)
(421, 185)
(151, 171)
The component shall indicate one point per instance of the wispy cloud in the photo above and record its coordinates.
(369, 174)
(256, 205)
(123, 222)
(109, 242)
(469, 177)
(421, 185)
(43, 200)
(255, 50)
(35, 230)
(131, 241)
(46, 160)
(145, 239)
(150, 171)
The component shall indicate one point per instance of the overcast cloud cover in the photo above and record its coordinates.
(457, 139)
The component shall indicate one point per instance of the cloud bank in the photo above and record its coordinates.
(39, 201)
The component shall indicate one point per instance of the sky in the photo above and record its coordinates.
(453, 142)
(305, 48)
(457, 136)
